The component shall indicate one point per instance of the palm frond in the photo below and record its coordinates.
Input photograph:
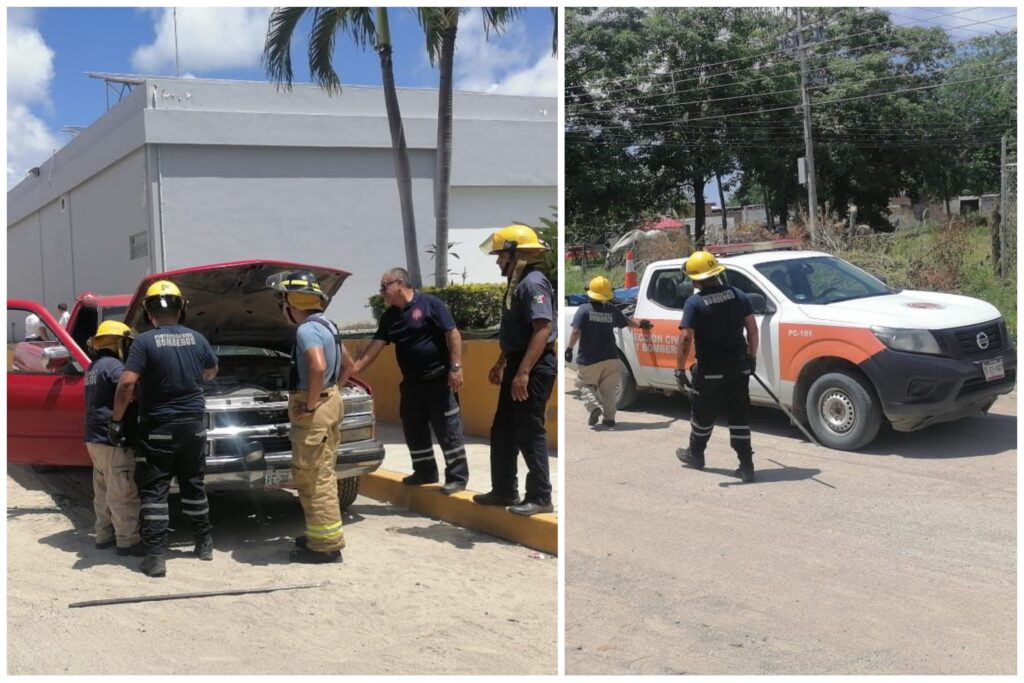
(434, 21)
(326, 22)
(277, 59)
(497, 18)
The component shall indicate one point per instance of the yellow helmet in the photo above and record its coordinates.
(512, 237)
(163, 288)
(702, 265)
(600, 289)
(109, 335)
(305, 301)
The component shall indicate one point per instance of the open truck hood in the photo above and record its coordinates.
(230, 303)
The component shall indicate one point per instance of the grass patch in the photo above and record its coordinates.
(576, 278)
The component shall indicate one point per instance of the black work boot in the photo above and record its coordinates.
(690, 459)
(595, 415)
(453, 487)
(103, 545)
(154, 565)
(610, 424)
(137, 550)
(306, 556)
(301, 541)
(492, 498)
(417, 478)
(529, 508)
(204, 548)
(746, 471)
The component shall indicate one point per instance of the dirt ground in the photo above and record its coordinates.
(900, 559)
(413, 596)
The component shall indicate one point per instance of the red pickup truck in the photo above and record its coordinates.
(246, 404)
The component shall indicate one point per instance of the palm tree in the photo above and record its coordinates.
(367, 27)
(441, 25)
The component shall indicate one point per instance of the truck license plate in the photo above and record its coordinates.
(277, 478)
(993, 369)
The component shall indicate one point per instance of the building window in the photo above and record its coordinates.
(139, 245)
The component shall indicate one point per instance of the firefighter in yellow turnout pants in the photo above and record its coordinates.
(315, 411)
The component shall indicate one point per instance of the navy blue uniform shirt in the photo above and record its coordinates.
(100, 384)
(170, 361)
(533, 299)
(417, 330)
(595, 321)
(716, 317)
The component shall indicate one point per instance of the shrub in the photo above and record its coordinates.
(473, 307)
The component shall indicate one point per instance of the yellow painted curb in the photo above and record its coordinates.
(539, 532)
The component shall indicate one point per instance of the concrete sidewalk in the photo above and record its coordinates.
(478, 449)
(539, 531)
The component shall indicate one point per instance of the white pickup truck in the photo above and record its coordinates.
(840, 348)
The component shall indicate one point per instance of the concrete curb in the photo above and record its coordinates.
(539, 532)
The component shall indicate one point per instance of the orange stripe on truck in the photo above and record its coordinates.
(800, 343)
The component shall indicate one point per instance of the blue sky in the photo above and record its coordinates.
(49, 49)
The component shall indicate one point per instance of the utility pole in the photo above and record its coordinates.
(1003, 206)
(177, 67)
(812, 189)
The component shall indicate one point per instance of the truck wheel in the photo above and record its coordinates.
(348, 489)
(625, 392)
(842, 411)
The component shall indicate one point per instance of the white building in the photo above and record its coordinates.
(184, 172)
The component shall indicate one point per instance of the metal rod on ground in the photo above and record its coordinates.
(785, 410)
(185, 596)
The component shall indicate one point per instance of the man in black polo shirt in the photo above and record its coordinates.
(525, 372)
(716, 317)
(429, 350)
(169, 364)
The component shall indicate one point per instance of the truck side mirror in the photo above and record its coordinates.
(56, 358)
(760, 304)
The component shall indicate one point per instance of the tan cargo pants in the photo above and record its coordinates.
(115, 498)
(315, 438)
(597, 383)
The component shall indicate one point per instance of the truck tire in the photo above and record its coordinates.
(348, 489)
(842, 411)
(625, 392)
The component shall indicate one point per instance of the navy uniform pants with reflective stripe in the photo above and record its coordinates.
(172, 449)
(717, 388)
(519, 428)
(427, 405)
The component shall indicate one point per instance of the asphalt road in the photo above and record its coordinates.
(897, 560)
(413, 596)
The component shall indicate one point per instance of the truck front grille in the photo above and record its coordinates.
(980, 339)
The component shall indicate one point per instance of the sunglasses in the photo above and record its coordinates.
(385, 285)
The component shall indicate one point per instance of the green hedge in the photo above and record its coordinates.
(474, 307)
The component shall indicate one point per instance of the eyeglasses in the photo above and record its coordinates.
(385, 285)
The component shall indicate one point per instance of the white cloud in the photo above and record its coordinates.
(514, 63)
(209, 39)
(29, 74)
(975, 21)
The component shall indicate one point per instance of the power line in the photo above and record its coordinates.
(821, 102)
(952, 28)
(886, 28)
(919, 74)
(785, 74)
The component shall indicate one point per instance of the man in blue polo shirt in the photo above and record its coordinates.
(169, 364)
(429, 351)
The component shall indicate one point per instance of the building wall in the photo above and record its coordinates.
(79, 241)
(327, 207)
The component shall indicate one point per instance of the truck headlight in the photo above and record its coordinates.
(913, 341)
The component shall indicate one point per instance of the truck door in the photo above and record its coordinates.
(45, 390)
(768, 328)
(661, 301)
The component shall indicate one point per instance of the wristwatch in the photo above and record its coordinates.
(457, 367)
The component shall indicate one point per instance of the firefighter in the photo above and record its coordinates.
(715, 319)
(525, 372)
(428, 347)
(115, 496)
(168, 364)
(598, 359)
(315, 411)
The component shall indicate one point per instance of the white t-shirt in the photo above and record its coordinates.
(64, 317)
(32, 325)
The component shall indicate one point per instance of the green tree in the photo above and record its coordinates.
(366, 27)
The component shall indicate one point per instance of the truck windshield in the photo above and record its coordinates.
(113, 313)
(821, 280)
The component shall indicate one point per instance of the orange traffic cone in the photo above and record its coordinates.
(630, 270)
